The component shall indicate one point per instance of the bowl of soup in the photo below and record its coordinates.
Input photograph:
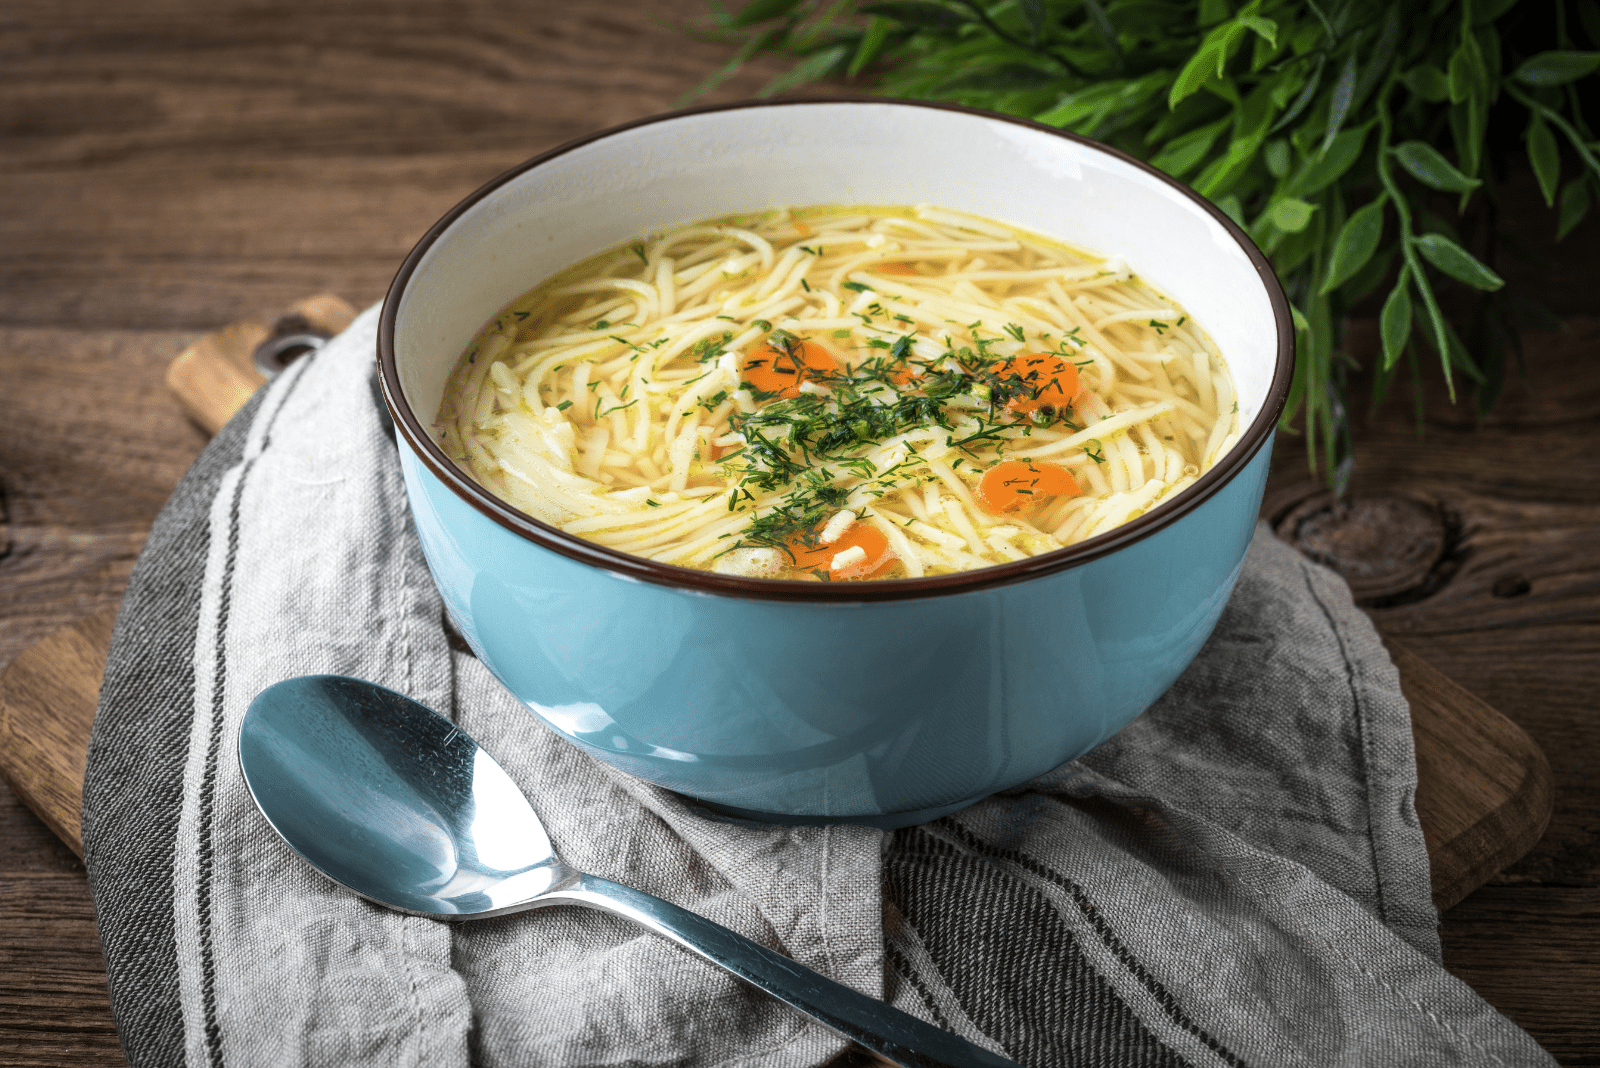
(835, 461)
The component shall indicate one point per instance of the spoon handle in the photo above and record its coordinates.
(885, 1030)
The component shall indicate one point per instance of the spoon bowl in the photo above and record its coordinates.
(390, 799)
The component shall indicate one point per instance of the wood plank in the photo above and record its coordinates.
(54, 1009)
(1484, 793)
(47, 705)
(1532, 952)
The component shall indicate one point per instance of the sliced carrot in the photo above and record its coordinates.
(896, 268)
(802, 229)
(1048, 382)
(879, 560)
(1015, 483)
(781, 369)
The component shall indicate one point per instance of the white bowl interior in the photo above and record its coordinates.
(700, 166)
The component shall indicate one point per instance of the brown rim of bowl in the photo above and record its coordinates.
(637, 567)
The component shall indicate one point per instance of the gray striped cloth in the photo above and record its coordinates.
(1238, 878)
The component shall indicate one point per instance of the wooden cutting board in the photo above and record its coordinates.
(1484, 792)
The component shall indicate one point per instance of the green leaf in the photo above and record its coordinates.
(871, 42)
(1211, 11)
(1427, 166)
(1589, 15)
(1100, 98)
(919, 15)
(1307, 95)
(1545, 157)
(1232, 209)
(1457, 262)
(1290, 214)
(1467, 127)
(1364, 281)
(1209, 60)
(762, 10)
(1103, 27)
(1329, 165)
(1264, 28)
(999, 76)
(1033, 11)
(1183, 154)
(1381, 58)
(1357, 241)
(1344, 91)
(809, 69)
(1467, 78)
(1201, 66)
(1276, 157)
(1262, 54)
(1427, 82)
(1556, 68)
(1574, 206)
(1220, 175)
(1394, 323)
(1487, 11)
(756, 44)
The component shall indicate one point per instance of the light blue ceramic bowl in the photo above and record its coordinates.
(913, 698)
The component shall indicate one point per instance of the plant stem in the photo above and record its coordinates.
(977, 9)
(1553, 117)
(1408, 249)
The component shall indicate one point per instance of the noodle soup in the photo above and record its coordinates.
(840, 394)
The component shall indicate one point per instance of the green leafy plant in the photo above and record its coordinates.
(1337, 133)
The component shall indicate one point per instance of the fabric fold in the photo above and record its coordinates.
(1237, 878)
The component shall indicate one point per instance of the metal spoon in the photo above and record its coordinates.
(395, 802)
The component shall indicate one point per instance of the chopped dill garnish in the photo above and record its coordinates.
(598, 414)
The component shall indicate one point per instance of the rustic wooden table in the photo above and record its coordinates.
(168, 166)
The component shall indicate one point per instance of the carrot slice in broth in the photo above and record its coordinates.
(781, 368)
(1047, 382)
(1016, 483)
(879, 560)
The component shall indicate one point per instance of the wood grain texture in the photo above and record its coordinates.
(1484, 794)
(170, 165)
(54, 1009)
(47, 704)
(213, 378)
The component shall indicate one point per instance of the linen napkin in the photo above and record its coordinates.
(1237, 878)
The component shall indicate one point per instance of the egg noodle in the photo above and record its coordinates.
(840, 393)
